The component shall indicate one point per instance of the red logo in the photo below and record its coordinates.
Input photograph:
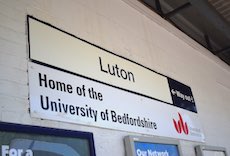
(180, 125)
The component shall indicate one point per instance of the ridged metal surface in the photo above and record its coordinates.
(206, 21)
(223, 7)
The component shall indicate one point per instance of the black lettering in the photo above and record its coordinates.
(101, 66)
(82, 111)
(117, 70)
(131, 76)
(155, 125)
(119, 119)
(57, 85)
(71, 109)
(114, 70)
(100, 96)
(53, 106)
(65, 107)
(52, 84)
(42, 103)
(42, 80)
(123, 74)
(94, 95)
(113, 115)
(61, 86)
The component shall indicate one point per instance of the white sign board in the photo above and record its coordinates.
(57, 95)
(55, 48)
(73, 81)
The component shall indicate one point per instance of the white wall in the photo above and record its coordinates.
(127, 31)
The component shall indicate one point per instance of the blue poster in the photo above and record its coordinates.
(153, 149)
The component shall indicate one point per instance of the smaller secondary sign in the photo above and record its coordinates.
(182, 95)
(155, 149)
(151, 146)
(60, 96)
(21, 140)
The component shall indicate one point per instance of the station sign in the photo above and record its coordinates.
(74, 81)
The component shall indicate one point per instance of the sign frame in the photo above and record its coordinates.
(130, 146)
(34, 130)
(38, 60)
(201, 148)
(73, 95)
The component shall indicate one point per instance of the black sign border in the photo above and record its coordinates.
(77, 74)
(27, 129)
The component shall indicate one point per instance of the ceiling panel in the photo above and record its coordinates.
(207, 22)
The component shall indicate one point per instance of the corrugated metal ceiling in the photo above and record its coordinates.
(206, 21)
(223, 7)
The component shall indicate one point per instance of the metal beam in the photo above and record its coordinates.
(207, 10)
(226, 49)
(177, 10)
(208, 43)
(158, 7)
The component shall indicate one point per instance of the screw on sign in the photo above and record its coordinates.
(180, 125)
